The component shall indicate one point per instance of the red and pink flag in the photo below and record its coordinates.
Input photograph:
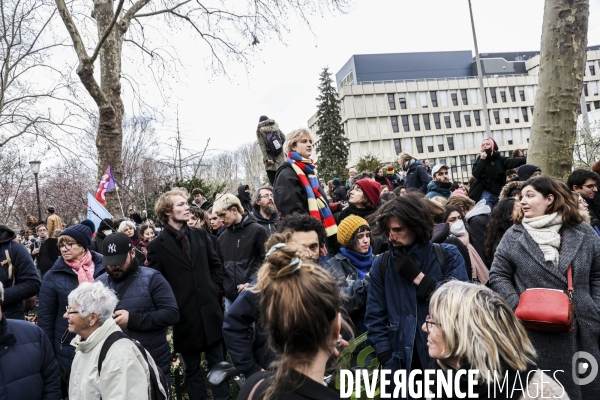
(106, 183)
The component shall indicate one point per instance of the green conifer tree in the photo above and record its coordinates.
(333, 146)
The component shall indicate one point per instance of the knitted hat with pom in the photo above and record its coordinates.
(81, 233)
(347, 227)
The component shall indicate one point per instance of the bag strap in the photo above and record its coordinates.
(254, 389)
(384, 263)
(570, 281)
(128, 283)
(112, 338)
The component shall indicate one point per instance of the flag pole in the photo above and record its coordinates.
(119, 198)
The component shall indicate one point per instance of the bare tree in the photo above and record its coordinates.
(562, 63)
(229, 30)
(587, 147)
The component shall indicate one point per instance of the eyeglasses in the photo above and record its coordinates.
(590, 186)
(71, 312)
(67, 246)
(266, 196)
(428, 323)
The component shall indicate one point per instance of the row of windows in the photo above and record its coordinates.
(436, 121)
(464, 96)
(460, 141)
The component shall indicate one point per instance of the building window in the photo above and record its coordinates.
(474, 99)
(447, 120)
(433, 96)
(470, 141)
(436, 121)
(423, 98)
(413, 100)
(527, 132)
(524, 112)
(463, 94)
(408, 147)
(594, 85)
(497, 116)
(477, 117)
(530, 92)
(426, 121)
(591, 67)
(521, 93)
(503, 94)
(587, 105)
(402, 99)
(508, 136)
(467, 117)
(440, 142)
(457, 119)
(517, 136)
(444, 98)
(515, 113)
(429, 141)
(596, 105)
(511, 90)
(463, 163)
(506, 115)
(392, 101)
(450, 140)
(397, 146)
(500, 138)
(454, 97)
(416, 124)
(473, 158)
(419, 141)
(405, 126)
(395, 124)
(478, 137)
(493, 94)
(460, 138)
(585, 90)
(443, 160)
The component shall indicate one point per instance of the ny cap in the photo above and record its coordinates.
(115, 248)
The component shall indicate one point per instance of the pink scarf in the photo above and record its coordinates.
(84, 267)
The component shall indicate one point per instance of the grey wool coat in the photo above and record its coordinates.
(519, 264)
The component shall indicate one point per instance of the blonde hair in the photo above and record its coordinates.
(461, 201)
(66, 239)
(164, 204)
(440, 200)
(294, 137)
(123, 226)
(480, 329)
(225, 202)
(299, 303)
(406, 156)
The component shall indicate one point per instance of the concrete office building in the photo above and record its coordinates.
(429, 104)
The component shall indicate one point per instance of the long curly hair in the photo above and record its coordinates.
(501, 220)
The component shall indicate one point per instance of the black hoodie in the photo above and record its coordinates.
(245, 198)
(24, 281)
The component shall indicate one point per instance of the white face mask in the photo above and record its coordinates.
(458, 228)
(108, 232)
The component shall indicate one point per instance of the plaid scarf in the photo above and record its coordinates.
(183, 237)
(317, 205)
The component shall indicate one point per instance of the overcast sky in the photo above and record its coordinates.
(282, 82)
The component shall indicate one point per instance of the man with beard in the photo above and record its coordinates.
(440, 185)
(251, 353)
(264, 210)
(147, 305)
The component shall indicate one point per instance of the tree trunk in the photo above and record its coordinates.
(562, 63)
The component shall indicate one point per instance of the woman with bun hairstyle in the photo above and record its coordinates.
(489, 171)
(351, 266)
(300, 308)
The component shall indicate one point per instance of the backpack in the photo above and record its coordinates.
(274, 143)
(158, 383)
(439, 254)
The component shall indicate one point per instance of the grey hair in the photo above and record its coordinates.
(94, 298)
(124, 226)
(257, 194)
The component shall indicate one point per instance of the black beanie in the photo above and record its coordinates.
(262, 118)
(106, 224)
(81, 233)
(526, 170)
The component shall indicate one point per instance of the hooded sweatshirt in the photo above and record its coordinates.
(269, 224)
(441, 189)
(244, 198)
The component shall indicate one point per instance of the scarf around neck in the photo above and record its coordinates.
(317, 205)
(362, 262)
(544, 231)
(182, 237)
(479, 270)
(84, 267)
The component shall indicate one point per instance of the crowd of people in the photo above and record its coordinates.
(283, 278)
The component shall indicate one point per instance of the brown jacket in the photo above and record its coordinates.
(53, 224)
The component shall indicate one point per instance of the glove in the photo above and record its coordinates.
(384, 357)
(405, 266)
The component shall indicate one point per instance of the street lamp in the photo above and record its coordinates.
(35, 168)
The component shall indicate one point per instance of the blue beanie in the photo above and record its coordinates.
(89, 224)
(336, 181)
(81, 233)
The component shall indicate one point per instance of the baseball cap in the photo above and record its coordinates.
(115, 248)
(436, 168)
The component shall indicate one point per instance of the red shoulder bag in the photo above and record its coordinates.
(547, 310)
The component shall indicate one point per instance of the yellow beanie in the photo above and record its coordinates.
(347, 227)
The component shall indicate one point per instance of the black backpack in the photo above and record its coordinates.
(157, 378)
(274, 143)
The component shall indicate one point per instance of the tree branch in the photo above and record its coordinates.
(72, 29)
(107, 32)
(124, 23)
(167, 10)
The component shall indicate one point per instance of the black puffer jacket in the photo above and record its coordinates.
(490, 174)
(242, 249)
